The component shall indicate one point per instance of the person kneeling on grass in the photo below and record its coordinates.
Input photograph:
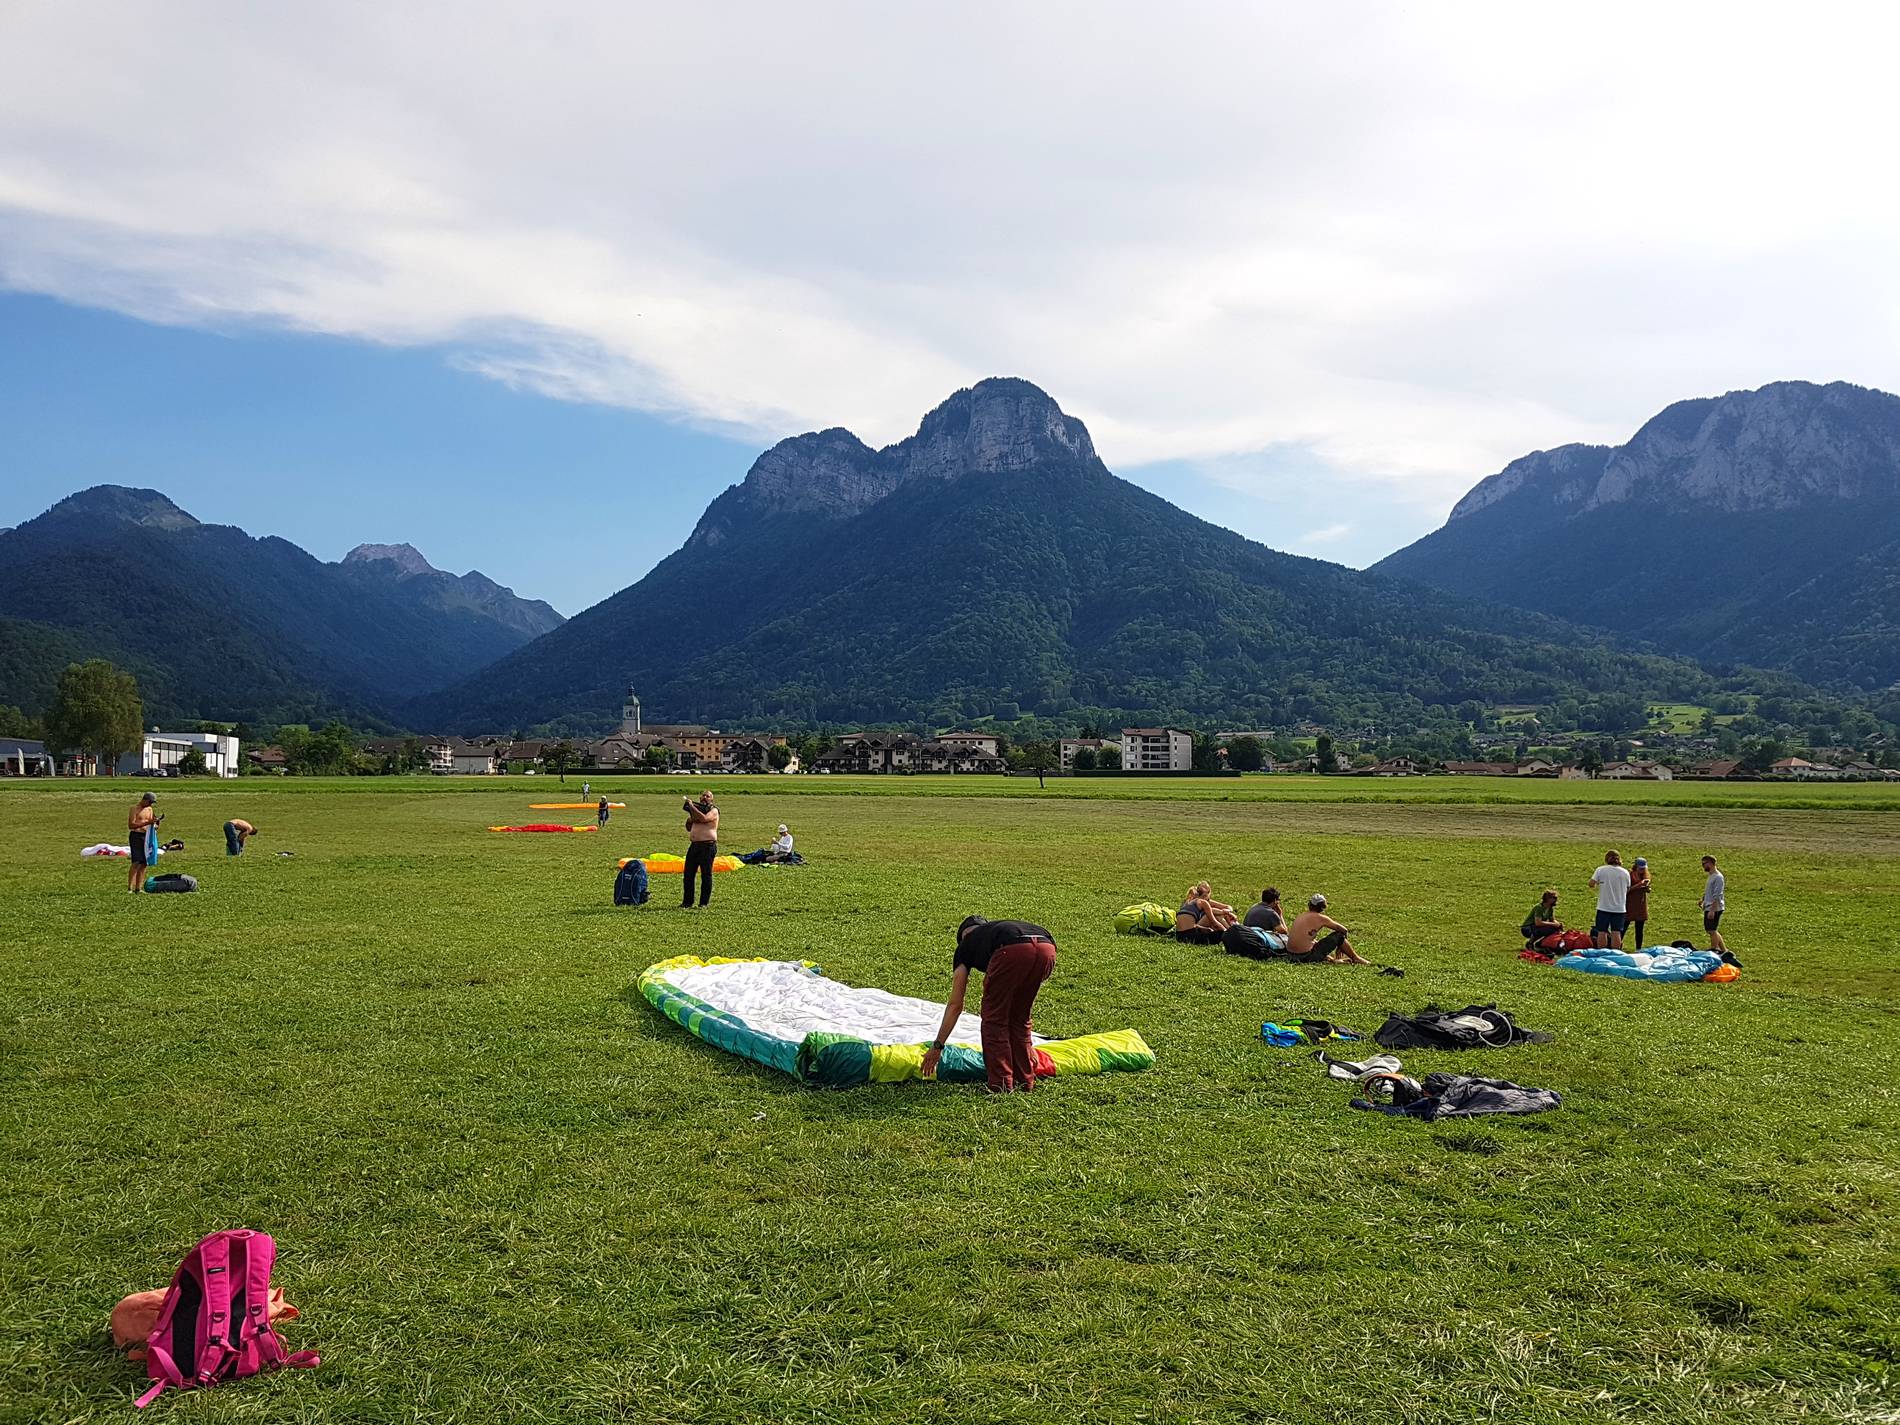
(1306, 946)
(1542, 920)
(1014, 957)
(1202, 920)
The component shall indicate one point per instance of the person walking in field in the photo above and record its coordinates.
(1306, 946)
(1714, 902)
(141, 829)
(702, 845)
(1611, 882)
(1015, 958)
(600, 813)
(1636, 903)
(236, 833)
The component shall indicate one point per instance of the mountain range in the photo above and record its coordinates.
(1760, 527)
(991, 564)
(218, 624)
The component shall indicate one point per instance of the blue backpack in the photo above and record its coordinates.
(630, 884)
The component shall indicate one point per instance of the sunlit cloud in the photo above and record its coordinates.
(1407, 243)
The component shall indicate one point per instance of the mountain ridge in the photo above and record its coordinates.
(989, 561)
(223, 624)
(1757, 527)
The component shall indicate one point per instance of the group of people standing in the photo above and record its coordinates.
(1622, 914)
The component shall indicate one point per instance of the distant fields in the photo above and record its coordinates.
(505, 1189)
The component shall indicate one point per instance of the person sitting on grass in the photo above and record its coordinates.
(1542, 920)
(1202, 920)
(778, 853)
(1306, 946)
(1014, 957)
(236, 833)
(1265, 914)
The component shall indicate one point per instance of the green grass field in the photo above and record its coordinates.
(504, 1188)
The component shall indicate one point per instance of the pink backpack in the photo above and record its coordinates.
(215, 1322)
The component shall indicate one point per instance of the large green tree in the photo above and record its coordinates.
(96, 710)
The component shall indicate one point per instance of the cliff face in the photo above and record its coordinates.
(1756, 527)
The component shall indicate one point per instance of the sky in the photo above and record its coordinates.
(526, 286)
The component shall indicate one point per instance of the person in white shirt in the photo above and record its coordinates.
(1612, 883)
(782, 843)
(1714, 902)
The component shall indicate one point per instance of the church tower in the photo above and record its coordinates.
(630, 714)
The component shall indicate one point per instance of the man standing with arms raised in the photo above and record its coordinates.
(702, 845)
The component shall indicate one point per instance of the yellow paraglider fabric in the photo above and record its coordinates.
(662, 863)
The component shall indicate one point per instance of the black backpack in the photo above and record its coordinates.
(630, 884)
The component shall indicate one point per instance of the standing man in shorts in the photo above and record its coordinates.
(1611, 882)
(1714, 902)
(140, 832)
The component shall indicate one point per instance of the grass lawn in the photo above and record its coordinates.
(504, 1188)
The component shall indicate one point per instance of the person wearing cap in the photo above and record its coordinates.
(782, 843)
(1636, 902)
(702, 846)
(601, 813)
(141, 829)
(1014, 957)
(1306, 946)
(1542, 920)
(1611, 882)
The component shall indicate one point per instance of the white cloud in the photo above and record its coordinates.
(1325, 534)
(1412, 242)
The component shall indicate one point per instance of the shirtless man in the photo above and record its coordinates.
(236, 833)
(1330, 948)
(702, 847)
(139, 829)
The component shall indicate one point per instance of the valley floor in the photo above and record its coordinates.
(504, 1188)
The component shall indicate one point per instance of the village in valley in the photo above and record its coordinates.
(637, 746)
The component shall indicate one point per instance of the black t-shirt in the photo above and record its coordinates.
(985, 940)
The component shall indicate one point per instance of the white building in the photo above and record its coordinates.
(469, 759)
(168, 749)
(1157, 749)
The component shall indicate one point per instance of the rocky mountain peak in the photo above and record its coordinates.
(125, 505)
(1002, 423)
(827, 472)
(1785, 445)
(1564, 476)
(406, 557)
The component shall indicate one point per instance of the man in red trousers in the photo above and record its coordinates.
(1014, 957)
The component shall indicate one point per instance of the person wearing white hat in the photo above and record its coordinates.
(782, 843)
